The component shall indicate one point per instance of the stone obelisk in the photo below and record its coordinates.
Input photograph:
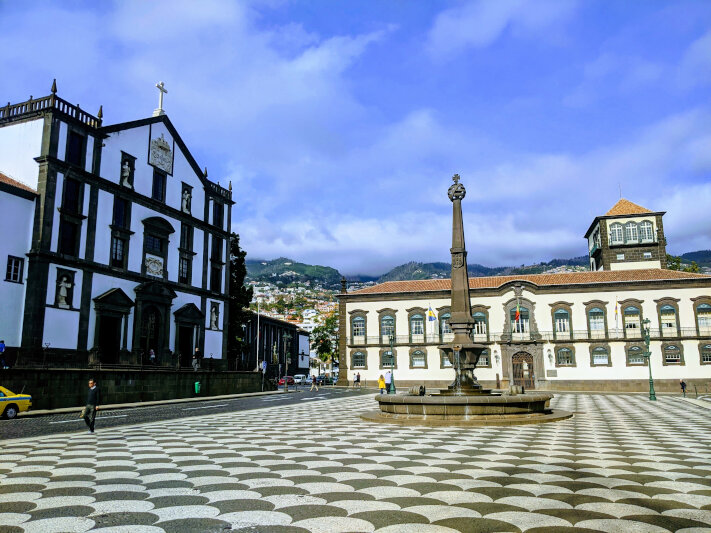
(462, 352)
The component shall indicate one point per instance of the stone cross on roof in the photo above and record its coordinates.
(161, 91)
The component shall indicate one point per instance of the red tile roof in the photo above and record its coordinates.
(566, 278)
(625, 207)
(9, 181)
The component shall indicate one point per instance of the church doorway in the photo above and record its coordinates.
(185, 344)
(150, 331)
(523, 372)
(109, 340)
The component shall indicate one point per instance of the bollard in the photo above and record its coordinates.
(197, 387)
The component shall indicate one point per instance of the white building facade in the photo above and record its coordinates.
(567, 331)
(126, 241)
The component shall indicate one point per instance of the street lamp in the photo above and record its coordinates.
(392, 366)
(647, 355)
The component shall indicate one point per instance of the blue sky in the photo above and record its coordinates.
(341, 123)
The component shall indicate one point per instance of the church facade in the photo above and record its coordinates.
(120, 242)
(565, 331)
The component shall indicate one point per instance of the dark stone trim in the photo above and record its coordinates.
(422, 349)
(442, 358)
(351, 365)
(631, 302)
(673, 302)
(507, 333)
(600, 304)
(85, 310)
(483, 309)
(701, 350)
(635, 344)
(16, 191)
(601, 345)
(697, 302)
(382, 313)
(570, 347)
(91, 224)
(680, 346)
(380, 358)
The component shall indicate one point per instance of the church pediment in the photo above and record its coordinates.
(114, 298)
(155, 289)
(189, 313)
(159, 225)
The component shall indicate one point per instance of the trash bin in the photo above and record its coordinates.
(197, 387)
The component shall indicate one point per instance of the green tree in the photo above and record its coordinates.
(674, 263)
(324, 339)
(238, 303)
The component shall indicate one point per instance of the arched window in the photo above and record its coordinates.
(706, 354)
(635, 355)
(484, 359)
(646, 231)
(479, 324)
(667, 319)
(631, 318)
(418, 359)
(417, 325)
(631, 234)
(387, 326)
(616, 234)
(444, 327)
(358, 360)
(672, 354)
(600, 356)
(703, 318)
(358, 327)
(387, 359)
(520, 324)
(564, 357)
(596, 321)
(561, 318)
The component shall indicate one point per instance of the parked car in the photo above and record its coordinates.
(11, 404)
(289, 380)
(300, 379)
(325, 380)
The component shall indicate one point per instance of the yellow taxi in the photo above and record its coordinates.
(11, 404)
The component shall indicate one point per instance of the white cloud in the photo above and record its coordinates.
(695, 66)
(479, 23)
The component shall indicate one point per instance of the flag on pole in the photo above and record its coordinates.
(431, 314)
(517, 317)
(616, 306)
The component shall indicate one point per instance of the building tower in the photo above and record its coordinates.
(627, 237)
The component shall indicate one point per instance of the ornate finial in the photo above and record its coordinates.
(100, 114)
(457, 190)
(54, 86)
(230, 185)
(205, 172)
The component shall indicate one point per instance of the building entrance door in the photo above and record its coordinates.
(185, 344)
(109, 339)
(150, 332)
(523, 374)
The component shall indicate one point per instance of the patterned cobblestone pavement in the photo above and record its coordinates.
(621, 463)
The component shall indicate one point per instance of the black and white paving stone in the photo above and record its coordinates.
(621, 463)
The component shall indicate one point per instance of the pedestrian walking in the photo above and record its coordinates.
(92, 405)
(196, 359)
(357, 380)
(3, 364)
(152, 357)
(381, 384)
(314, 385)
(388, 380)
(683, 387)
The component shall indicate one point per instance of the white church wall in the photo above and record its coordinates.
(52, 285)
(135, 143)
(62, 141)
(198, 245)
(213, 338)
(104, 218)
(84, 227)
(20, 143)
(89, 163)
(61, 328)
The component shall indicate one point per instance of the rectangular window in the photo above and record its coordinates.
(483, 359)
(120, 212)
(634, 356)
(158, 192)
(616, 234)
(358, 327)
(417, 325)
(216, 279)
(620, 257)
(154, 245)
(216, 249)
(118, 247)
(479, 327)
(68, 237)
(184, 270)
(14, 269)
(70, 200)
(186, 237)
(75, 147)
(600, 357)
(217, 214)
(647, 255)
(631, 234)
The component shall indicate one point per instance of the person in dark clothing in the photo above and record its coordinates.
(92, 405)
(683, 387)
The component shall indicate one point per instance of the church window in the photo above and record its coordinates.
(520, 325)
(635, 356)
(358, 326)
(216, 278)
(70, 200)
(600, 356)
(484, 360)
(118, 248)
(703, 317)
(616, 234)
(706, 354)
(562, 321)
(358, 360)
(68, 237)
(216, 249)
(631, 317)
(154, 245)
(387, 359)
(596, 319)
(120, 213)
(646, 232)
(186, 237)
(158, 190)
(218, 214)
(387, 326)
(631, 232)
(479, 323)
(667, 316)
(444, 326)
(75, 148)
(183, 270)
(14, 269)
(418, 359)
(564, 357)
(672, 354)
(417, 325)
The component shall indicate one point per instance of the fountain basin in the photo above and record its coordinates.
(466, 410)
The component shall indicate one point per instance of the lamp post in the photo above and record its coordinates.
(647, 355)
(392, 366)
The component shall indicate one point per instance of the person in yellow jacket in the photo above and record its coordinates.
(381, 384)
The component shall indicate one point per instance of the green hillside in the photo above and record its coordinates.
(288, 271)
(702, 257)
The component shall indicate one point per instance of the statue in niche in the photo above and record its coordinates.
(63, 292)
(187, 198)
(213, 317)
(126, 173)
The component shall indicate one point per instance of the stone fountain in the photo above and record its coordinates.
(464, 402)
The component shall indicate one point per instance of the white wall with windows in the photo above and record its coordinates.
(19, 145)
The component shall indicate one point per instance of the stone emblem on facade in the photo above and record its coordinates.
(154, 266)
(161, 156)
(458, 261)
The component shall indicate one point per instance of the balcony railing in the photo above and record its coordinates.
(541, 336)
(35, 106)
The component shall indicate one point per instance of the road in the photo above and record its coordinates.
(23, 427)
